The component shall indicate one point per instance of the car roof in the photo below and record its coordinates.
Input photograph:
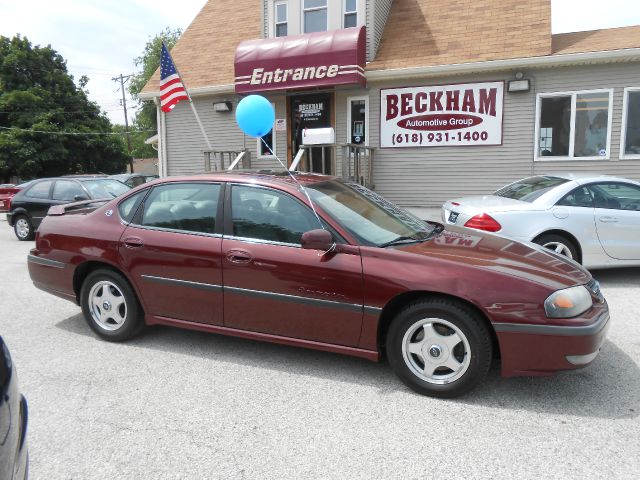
(260, 177)
(587, 177)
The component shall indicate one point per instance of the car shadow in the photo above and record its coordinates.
(618, 277)
(606, 389)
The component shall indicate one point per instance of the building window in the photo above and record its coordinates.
(630, 139)
(267, 144)
(281, 19)
(315, 16)
(358, 120)
(574, 125)
(350, 13)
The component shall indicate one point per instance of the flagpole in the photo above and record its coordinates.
(193, 107)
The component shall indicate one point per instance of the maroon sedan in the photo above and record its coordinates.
(331, 266)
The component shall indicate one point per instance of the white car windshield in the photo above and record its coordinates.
(370, 218)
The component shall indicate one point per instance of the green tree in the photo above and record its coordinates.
(148, 63)
(48, 126)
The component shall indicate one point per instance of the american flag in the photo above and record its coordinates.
(171, 88)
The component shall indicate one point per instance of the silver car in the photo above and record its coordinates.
(593, 219)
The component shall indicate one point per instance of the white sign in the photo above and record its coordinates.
(442, 115)
(281, 125)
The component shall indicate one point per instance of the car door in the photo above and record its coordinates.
(37, 200)
(172, 251)
(618, 218)
(272, 285)
(576, 212)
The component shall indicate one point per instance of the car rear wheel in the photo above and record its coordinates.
(439, 347)
(110, 306)
(23, 228)
(559, 244)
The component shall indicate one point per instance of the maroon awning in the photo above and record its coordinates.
(301, 61)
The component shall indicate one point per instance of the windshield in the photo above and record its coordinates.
(105, 188)
(529, 189)
(370, 218)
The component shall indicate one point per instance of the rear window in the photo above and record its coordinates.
(530, 189)
(105, 188)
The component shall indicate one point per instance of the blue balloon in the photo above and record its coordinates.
(255, 115)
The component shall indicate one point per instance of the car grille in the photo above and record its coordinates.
(594, 287)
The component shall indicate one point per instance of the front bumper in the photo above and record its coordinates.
(541, 350)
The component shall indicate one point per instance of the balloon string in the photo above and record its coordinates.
(293, 177)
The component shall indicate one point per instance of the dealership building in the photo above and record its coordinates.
(418, 99)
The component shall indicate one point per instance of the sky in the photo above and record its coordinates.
(101, 38)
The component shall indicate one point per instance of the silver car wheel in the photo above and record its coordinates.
(436, 351)
(560, 248)
(107, 305)
(22, 228)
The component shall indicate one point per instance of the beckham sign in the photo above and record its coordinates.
(443, 115)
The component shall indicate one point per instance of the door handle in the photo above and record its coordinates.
(133, 242)
(239, 256)
(608, 219)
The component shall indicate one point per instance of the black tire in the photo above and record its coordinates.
(112, 322)
(552, 241)
(444, 317)
(23, 228)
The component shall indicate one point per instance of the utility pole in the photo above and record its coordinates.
(123, 79)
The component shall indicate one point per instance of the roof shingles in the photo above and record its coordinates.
(205, 52)
(418, 33)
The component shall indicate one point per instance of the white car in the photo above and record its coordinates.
(593, 219)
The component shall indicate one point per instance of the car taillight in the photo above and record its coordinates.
(8, 204)
(483, 222)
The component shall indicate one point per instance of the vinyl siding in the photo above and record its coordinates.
(186, 145)
(424, 177)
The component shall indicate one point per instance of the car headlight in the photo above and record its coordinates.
(568, 303)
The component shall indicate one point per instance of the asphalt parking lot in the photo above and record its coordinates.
(178, 404)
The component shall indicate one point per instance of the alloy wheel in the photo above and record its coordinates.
(107, 305)
(436, 351)
(559, 248)
(22, 227)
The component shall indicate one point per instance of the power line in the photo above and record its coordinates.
(73, 133)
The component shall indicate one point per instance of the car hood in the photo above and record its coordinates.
(476, 249)
(488, 203)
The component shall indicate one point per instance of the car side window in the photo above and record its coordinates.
(67, 190)
(616, 196)
(189, 207)
(39, 190)
(578, 197)
(266, 214)
(129, 206)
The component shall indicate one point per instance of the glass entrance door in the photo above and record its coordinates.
(311, 111)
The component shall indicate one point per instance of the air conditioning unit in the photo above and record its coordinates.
(318, 136)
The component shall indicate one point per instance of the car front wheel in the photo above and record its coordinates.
(23, 228)
(110, 306)
(439, 347)
(559, 244)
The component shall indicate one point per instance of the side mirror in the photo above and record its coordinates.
(317, 240)
(79, 198)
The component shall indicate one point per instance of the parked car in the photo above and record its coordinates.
(248, 255)
(592, 219)
(7, 191)
(134, 179)
(29, 206)
(14, 458)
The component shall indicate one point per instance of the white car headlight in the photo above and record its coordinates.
(568, 303)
